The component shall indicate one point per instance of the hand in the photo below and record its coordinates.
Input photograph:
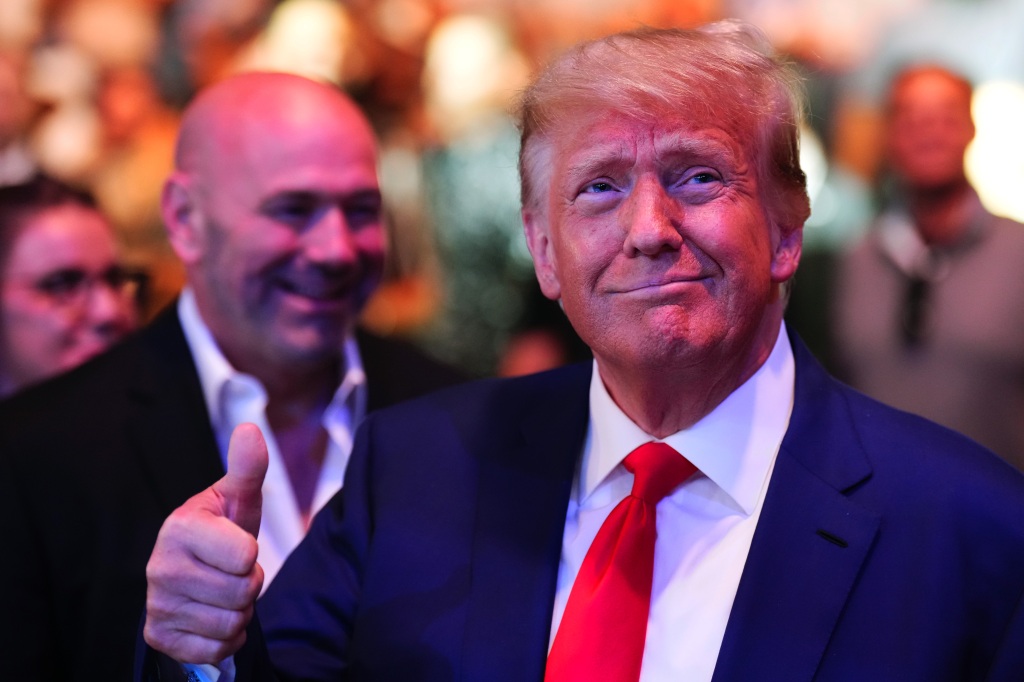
(203, 576)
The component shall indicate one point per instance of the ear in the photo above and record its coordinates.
(786, 256)
(538, 240)
(182, 218)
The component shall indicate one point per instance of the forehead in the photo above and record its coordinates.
(613, 137)
(61, 236)
(299, 148)
(929, 88)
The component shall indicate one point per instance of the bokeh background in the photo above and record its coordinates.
(91, 91)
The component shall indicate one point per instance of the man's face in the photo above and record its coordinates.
(655, 237)
(291, 243)
(929, 129)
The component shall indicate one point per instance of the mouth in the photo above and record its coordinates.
(319, 294)
(665, 285)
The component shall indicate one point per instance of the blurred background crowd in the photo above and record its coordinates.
(91, 90)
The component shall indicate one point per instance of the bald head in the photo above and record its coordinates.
(228, 115)
(275, 210)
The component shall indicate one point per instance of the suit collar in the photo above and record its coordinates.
(808, 549)
(522, 500)
(168, 423)
(810, 543)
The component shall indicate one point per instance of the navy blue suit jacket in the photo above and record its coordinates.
(888, 548)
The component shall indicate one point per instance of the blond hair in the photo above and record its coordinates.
(725, 71)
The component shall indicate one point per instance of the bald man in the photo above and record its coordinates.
(275, 210)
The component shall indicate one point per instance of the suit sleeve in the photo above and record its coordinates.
(1008, 664)
(308, 611)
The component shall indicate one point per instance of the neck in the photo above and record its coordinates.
(299, 387)
(941, 214)
(668, 397)
(296, 421)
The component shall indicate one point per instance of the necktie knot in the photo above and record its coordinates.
(657, 469)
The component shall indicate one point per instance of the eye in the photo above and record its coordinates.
(293, 209)
(703, 178)
(363, 211)
(598, 187)
(697, 184)
(62, 283)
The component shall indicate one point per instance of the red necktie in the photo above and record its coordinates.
(602, 633)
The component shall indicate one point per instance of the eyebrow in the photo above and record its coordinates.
(671, 145)
(316, 195)
(676, 144)
(597, 157)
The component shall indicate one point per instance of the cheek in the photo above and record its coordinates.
(36, 334)
(744, 241)
(372, 247)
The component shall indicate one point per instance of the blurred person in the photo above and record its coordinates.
(929, 307)
(544, 341)
(17, 163)
(64, 295)
(472, 68)
(701, 502)
(138, 136)
(274, 208)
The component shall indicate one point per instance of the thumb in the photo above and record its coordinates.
(241, 487)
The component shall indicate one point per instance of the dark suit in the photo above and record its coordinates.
(90, 466)
(888, 548)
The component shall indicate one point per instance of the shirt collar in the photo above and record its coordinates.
(734, 446)
(215, 372)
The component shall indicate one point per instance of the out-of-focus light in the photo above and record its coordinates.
(471, 68)
(21, 23)
(995, 160)
(307, 37)
(403, 23)
(813, 161)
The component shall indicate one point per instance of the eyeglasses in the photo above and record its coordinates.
(70, 287)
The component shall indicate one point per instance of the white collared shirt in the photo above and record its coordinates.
(233, 398)
(705, 526)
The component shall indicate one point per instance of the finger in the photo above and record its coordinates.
(221, 545)
(201, 620)
(195, 530)
(241, 487)
(180, 579)
(188, 647)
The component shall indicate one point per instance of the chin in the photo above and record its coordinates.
(322, 349)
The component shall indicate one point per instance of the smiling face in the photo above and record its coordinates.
(61, 299)
(281, 228)
(655, 236)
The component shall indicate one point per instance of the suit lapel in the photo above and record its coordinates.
(810, 542)
(168, 424)
(522, 499)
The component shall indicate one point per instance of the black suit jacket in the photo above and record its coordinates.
(91, 464)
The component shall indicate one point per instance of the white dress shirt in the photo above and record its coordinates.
(233, 398)
(705, 526)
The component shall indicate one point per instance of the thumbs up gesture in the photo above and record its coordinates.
(203, 576)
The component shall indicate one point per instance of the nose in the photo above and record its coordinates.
(329, 241)
(110, 311)
(652, 220)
